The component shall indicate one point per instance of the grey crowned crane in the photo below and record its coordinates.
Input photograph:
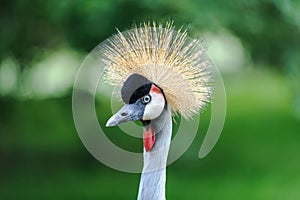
(161, 71)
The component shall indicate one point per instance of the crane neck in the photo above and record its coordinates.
(153, 178)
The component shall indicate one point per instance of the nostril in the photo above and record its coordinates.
(123, 114)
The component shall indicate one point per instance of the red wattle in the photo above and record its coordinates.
(149, 138)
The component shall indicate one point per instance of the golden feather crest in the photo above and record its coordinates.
(169, 58)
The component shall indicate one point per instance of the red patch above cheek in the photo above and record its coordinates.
(155, 89)
(149, 138)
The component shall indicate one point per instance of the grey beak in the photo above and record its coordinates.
(129, 112)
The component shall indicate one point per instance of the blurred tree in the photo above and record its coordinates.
(40, 154)
(267, 28)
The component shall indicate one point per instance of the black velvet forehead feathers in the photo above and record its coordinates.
(135, 87)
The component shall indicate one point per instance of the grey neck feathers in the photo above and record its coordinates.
(153, 178)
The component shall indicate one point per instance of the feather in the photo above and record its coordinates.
(169, 58)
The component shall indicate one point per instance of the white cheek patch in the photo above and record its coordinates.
(155, 107)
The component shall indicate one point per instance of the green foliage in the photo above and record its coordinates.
(266, 28)
(257, 156)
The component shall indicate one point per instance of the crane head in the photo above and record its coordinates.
(160, 68)
(143, 100)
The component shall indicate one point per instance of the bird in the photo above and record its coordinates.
(161, 73)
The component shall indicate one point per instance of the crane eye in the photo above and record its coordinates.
(146, 99)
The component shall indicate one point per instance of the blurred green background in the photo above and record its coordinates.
(256, 46)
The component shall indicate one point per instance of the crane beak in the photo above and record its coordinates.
(129, 112)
